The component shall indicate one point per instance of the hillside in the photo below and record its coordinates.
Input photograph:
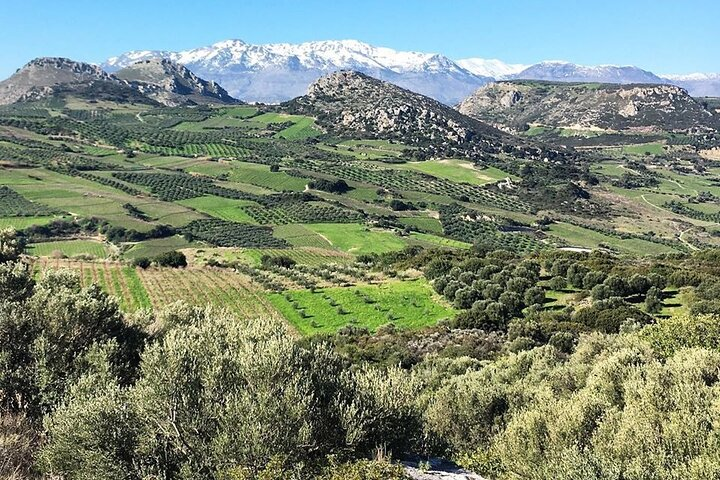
(48, 76)
(172, 84)
(354, 104)
(515, 104)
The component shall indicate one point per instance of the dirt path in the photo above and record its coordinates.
(688, 244)
(325, 238)
(652, 204)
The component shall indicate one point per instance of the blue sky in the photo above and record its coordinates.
(665, 36)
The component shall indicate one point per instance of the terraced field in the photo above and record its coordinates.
(158, 287)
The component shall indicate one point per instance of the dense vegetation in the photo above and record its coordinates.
(348, 300)
(192, 392)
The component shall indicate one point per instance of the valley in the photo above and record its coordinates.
(353, 278)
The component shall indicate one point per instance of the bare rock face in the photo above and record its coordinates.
(438, 470)
(173, 84)
(352, 102)
(513, 105)
(151, 82)
(41, 76)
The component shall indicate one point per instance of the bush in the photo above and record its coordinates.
(142, 262)
(172, 259)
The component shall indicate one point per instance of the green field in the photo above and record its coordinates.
(303, 127)
(358, 239)
(18, 223)
(300, 236)
(644, 149)
(152, 248)
(457, 171)
(586, 238)
(222, 208)
(68, 248)
(426, 238)
(409, 304)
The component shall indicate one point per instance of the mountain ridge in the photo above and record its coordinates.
(516, 104)
(152, 82)
(277, 72)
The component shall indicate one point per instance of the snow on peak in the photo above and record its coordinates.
(490, 67)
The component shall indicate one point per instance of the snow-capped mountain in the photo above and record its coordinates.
(491, 67)
(698, 84)
(560, 71)
(281, 71)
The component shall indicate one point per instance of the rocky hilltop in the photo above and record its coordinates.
(47, 76)
(513, 105)
(172, 84)
(158, 82)
(352, 103)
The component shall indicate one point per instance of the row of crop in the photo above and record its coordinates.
(12, 204)
(223, 233)
(408, 180)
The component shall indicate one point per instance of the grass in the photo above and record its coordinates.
(261, 175)
(358, 239)
(428, 224)
(455, 170)
(152, 248)
(439, 241)
(304, 127)
(68, 248)
(407, 305)
(159, 287)
(586, 238)
(19, 223)
(222, 208)
(644, 149)
(300, 236)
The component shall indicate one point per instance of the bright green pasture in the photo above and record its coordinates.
(222, 208)
(457, 171)
(68, 248)
(586, 238)
(406, 304)
(358, 239)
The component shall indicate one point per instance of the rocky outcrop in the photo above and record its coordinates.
(513, 105)
(354, 104)
(172, 84)
(40, 77)
(151, 82)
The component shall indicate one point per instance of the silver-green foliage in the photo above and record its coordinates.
(218, 395)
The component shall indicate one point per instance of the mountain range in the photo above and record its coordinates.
(273, 73)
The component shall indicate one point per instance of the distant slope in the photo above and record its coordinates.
(698, 84)
(557, 71)
(515, 104)
(45, 77)
(274, 73)
(174, 83)
(352, 103)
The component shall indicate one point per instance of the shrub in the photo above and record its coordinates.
(172, 259)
